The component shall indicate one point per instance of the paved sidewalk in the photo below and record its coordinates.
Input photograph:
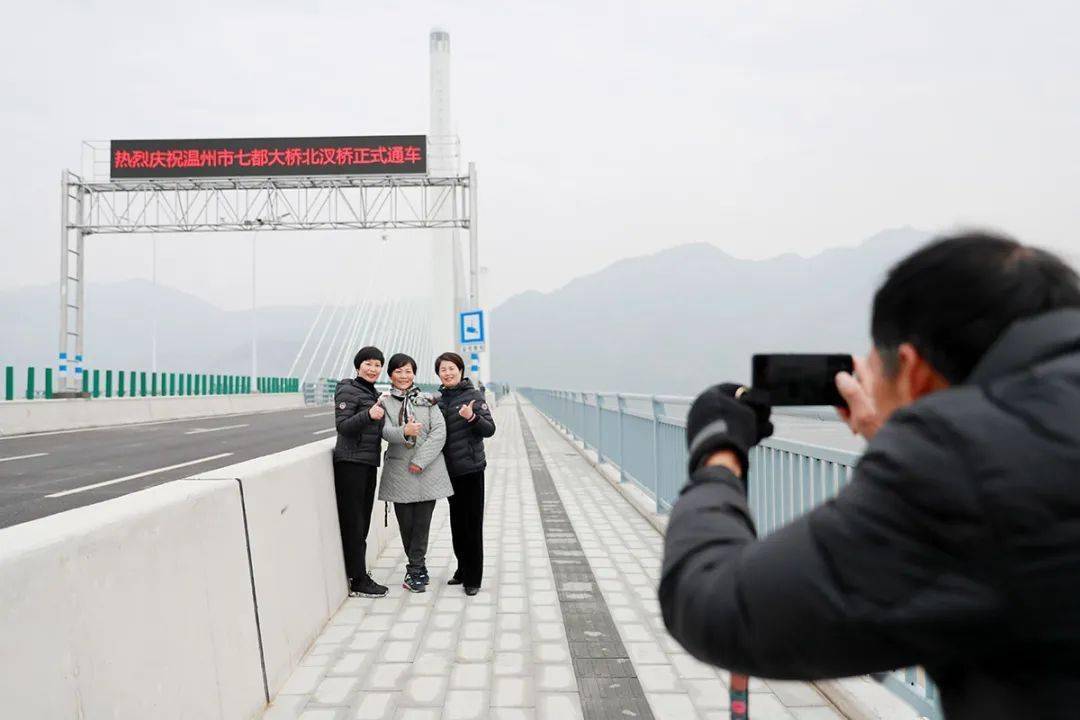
(504, 653)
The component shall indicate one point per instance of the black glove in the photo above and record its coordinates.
(719, 421)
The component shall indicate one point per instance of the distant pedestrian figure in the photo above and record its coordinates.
(468, 422)
(414, 476)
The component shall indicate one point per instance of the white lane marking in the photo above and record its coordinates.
(23, 457)
(128, 426)
(323, 432)
(322, 414)
(198, 431)
(138, 475)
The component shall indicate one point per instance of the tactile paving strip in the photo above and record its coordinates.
(607, 683)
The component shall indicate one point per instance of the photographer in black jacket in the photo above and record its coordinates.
(359, 419)
(956, 546)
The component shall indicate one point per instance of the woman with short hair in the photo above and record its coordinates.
(414, 473)
(359, 421)
(468, 422)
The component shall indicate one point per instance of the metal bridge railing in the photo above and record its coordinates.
(644, 436)
(32, 383)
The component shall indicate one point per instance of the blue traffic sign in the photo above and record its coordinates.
(472, 328)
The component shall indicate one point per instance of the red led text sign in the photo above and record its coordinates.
(372, 155)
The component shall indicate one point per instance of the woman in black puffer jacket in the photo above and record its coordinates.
(359, 419)
(468, 422)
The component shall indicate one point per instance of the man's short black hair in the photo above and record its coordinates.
(368, 353)
(400, 360)
(450, 357)
(954, 297)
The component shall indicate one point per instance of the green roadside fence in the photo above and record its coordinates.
(33, 383)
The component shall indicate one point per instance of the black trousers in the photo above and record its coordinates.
(467, 526)
(354, 485)
(414, 523)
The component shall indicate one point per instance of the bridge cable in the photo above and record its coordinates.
(330, 349)
(318, 346)
(303, 345)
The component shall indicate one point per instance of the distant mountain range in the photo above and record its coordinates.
(676, 321)
(665, 323)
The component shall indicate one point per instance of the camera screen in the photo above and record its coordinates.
(801, 379)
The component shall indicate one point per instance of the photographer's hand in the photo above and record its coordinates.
(724, 458)
(861, 415)
(718, 423)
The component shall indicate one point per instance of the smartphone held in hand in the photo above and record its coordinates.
(801, 379)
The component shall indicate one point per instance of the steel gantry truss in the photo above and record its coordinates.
(345, 202)
(340, 202)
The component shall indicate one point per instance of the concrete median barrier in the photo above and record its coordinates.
(137, 607)
(297, 564)
(192, 599)
(18, 417)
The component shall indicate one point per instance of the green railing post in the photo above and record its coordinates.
(172, 383)
(97, 383)
(108, 383)
(189, 383)
(29, 383)
(142, 384)
(119, 383)
(9, 383)
(132, 375)
(48, 383)
(180, 384)
(153, 384)
(85, 381)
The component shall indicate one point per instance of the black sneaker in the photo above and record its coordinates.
(424, 577)
(455, 580)
(470, 591)
(366, 587)
(412, 583)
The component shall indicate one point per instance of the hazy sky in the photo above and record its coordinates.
(600, 130)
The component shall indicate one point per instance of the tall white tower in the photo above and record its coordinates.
(447, 295)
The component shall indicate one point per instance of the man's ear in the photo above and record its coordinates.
(917, 376)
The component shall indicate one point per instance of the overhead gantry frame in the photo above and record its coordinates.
(338, 202)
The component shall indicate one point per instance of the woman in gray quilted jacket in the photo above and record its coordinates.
(414, 472)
